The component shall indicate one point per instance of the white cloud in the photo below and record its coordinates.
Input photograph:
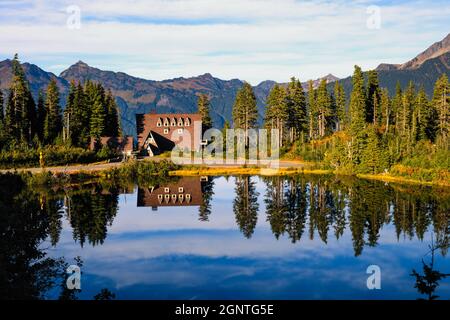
(253, 40)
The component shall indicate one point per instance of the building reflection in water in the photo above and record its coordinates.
(185, 191)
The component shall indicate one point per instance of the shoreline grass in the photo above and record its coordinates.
(166, 168)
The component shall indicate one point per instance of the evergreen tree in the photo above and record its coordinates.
(374, 157)
(372, 98)
(340, 103)
(245, 112)
(312, 110)
(276, 111)
(423, 117)
(41, 116)
(99, 113)
(53, 119)
(324, 110)
(441, 102)
(357, 114)
(297, 121)
(80, 124)
(397, 105)
(20, 107)
(69, 112)
(203, 105)
(112, 125)
(386, 110)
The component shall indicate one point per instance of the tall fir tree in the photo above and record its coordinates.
(20, 108)
(98, 114)
(312, 110)
(374, 157)
(357, 115)
(203, 108)
(340, 102)
(69, 112)
(397, 105)
(423, 117)
(373, 96)
(385, 110)
(53, 119)
(245, 112)
(112, 125)
(324, 109)
(41, 116)
(276, 114)
(441, 104)
(297, 121)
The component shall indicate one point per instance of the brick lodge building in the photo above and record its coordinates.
(158, 133)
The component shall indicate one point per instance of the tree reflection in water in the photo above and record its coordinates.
(328, 203)
(31, 222)
(427, 283)
(295, 207)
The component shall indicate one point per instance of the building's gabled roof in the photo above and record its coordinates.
(148, 122)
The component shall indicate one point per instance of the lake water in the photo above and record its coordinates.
(225, 238)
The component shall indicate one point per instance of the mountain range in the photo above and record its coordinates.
(136, 95)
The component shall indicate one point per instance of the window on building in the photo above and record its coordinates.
(187, 122)
(173, 123)
(180, 189)
(166, 122)
(180, 131)
(180, 122)
(166, 190)
(159, 123)
(166, 131)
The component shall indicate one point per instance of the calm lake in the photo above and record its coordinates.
(303, 237)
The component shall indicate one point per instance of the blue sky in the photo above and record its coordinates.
(252, 40)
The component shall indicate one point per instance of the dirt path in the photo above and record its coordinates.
(105, 166)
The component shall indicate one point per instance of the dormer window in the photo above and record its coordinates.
(159, 123)
(166, 122)
(173, 123)
(180, 122)
(187, 122)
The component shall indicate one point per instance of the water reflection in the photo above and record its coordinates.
(35, 223)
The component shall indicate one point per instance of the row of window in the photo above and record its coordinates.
(173, 122)
(181, 197)
(167, 189)
(166, 131)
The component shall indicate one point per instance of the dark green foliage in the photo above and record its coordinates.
(204, 107)
(378, 132)
(245, 112)
(53, 118)
(297, 117)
